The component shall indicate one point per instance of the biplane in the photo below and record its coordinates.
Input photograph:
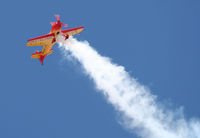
(47, 41)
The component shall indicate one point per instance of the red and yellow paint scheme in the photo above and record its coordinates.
(47, 41)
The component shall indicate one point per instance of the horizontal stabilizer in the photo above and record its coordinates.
(36, 54)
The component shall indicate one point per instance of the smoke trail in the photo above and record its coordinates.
(140, 111)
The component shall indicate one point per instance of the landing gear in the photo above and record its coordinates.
(54, 40)
(66, 37)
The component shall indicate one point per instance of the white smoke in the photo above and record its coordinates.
(141, 113)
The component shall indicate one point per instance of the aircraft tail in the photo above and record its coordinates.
(40, 55)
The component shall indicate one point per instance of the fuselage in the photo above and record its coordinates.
(56, 27)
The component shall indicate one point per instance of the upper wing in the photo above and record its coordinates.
(41, 40)
(73, 31)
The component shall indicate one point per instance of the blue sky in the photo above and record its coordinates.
(157, 42)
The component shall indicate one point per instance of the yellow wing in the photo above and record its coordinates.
(41, 40)
(73, 31)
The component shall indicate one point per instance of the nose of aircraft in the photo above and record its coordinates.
(58, 22)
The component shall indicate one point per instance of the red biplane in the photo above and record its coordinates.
(47, 41)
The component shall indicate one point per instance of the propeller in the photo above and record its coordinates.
(65, 25)
(57, 17)
(52, 23)
(58, 21)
